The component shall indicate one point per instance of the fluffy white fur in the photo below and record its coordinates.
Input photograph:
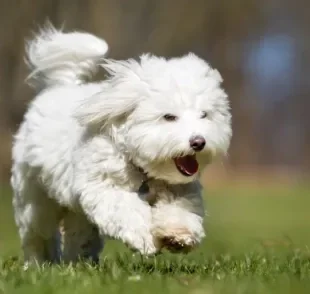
(84, 149)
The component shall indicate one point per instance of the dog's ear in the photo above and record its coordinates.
(106, 106)
(118, 97)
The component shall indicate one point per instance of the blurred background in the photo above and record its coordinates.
(259, 196)
(261, 48)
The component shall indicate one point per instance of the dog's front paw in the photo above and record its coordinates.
(176, 239)
(177, 229)
(179, 240)
(144, 242)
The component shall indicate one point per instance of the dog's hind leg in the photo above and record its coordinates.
(81, 239)
(37, 218)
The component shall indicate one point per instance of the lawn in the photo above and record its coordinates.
(257, 243)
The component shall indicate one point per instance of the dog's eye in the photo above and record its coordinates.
(170, 117)
(204, 114)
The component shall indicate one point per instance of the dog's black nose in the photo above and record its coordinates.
(197, 143)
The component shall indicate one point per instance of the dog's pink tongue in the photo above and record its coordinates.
(187, 164)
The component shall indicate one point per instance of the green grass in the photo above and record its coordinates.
(257, 243)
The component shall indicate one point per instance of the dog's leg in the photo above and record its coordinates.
(177, 228)
(81, 239)
(120, 215)
(37, 219)
(102, 185)
(178, 215)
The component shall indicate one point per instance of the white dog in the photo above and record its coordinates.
(84, 149)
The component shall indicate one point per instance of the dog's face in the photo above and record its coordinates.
(176, 115)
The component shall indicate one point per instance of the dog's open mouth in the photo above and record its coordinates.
(187, 165)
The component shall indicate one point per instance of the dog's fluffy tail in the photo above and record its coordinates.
(57, 58)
